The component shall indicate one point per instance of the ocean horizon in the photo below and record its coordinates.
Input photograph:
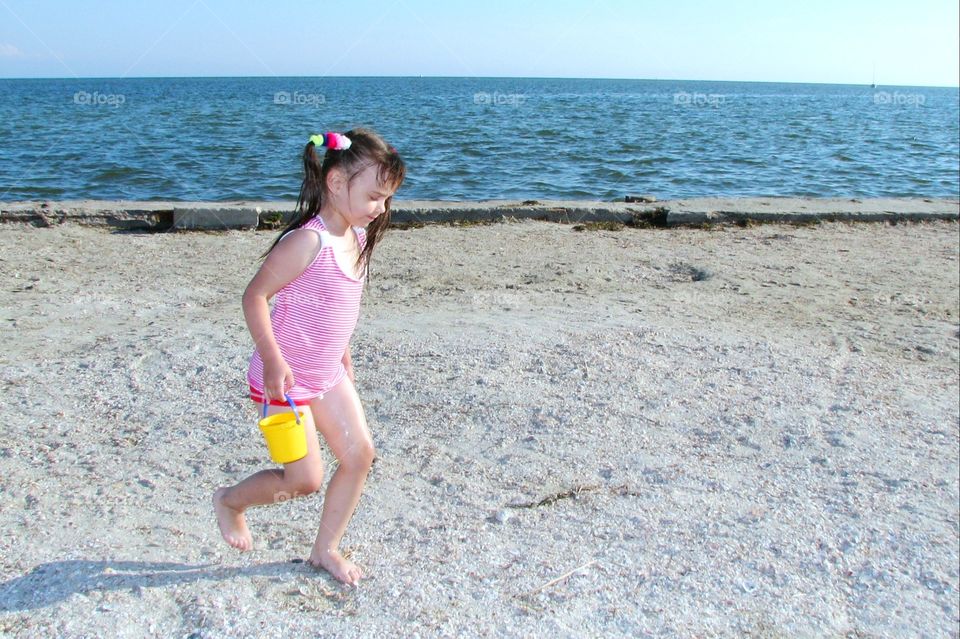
(464, 77)
(240, 137)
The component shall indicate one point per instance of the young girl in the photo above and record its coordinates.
(316, 269)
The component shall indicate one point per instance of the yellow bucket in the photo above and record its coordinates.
(285, 435)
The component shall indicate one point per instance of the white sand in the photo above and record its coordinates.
(771, 451)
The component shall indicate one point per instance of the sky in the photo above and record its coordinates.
(902, 43)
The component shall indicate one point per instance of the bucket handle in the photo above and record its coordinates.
(290, 401)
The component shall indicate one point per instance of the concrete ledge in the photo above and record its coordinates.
(215, 218)
(156, 216)
(799, 210)
(120, 214)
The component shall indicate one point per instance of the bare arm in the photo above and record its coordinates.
(283, 265)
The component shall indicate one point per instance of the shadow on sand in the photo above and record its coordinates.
(51, 583)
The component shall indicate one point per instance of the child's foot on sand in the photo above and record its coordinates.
(233, 525)
(337, 565)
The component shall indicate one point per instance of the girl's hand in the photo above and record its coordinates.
(277, 379)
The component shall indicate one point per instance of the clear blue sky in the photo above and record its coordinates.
(832, 41)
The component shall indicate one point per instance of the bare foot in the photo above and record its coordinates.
(233, 525)
(337, 565)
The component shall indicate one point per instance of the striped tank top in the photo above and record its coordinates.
(313, 318)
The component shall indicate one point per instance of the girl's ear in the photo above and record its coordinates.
(336, 180)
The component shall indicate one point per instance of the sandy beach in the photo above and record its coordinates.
(638, 432)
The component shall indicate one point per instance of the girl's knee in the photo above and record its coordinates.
(359, 457)
(304, 483)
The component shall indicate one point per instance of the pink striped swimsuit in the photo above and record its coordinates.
(313, 318)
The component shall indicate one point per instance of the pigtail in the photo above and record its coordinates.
(311, 193)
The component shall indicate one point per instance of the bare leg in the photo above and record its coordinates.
(296, 479)
(339, 418)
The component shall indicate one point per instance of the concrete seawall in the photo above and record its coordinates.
(166, 215)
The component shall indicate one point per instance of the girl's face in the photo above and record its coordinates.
(362, 199)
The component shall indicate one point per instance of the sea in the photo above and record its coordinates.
(241, 138)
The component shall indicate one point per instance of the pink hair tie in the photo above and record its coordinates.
(331, 140)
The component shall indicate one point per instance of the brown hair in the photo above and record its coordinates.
(366, 149)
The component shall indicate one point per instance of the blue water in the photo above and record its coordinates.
(477, 138)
